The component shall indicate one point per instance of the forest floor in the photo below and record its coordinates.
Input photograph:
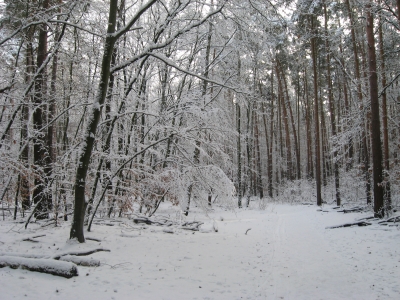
(281, 252)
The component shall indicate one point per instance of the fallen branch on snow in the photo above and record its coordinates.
(58, 268)
(93, 239)
(360, 223)
(354, 209)
(162, 221)
(31, 239)
(80, 253)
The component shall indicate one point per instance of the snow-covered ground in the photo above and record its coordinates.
(287, 254)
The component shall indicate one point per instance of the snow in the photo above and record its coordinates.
(289, 253)
(64, 268)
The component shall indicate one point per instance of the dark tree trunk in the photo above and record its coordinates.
(271, 139)
(365, 155)
(349, 146)
(286, 124)
(258, 155)
(84, 159)
(375, 122)
(316, 118)
(24, 179)
(239, 154)
(296, 146)
(310, 169)
(331, 108)
(41, 158)
(89, 137)
(388, 198)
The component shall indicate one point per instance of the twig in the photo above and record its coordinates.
(33, 211)
(31, 239)
(93, 239)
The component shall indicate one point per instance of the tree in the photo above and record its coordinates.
(87, 148)
(375, 120)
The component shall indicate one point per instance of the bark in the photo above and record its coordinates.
(365, 154)
(310, 169)
(349, 146)
(258, 155)
(90, 133)
(398, 10)
(331, 108)
(324, 138)
(268, 142)
(375, 122)
(271, 140)
(316, 118)
(239, 154)
(296, 145)
(286, 124)
(388, 198)
(196, 155)
(41, 158)
(249, 147)
(84, 159)
(24, 179)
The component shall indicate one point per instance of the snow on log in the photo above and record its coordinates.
(24, 255)
(361, 223)
(81, 261)
(49, 266)
(80, 253)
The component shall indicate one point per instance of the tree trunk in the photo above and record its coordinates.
(349, 147)
(89, 137)
(286, 124)
(310, 169)
(24, 178)
(239, 154)
(375, 122)
(296, 146)
(85, 156)
(41, 159)
(331, 108)
(271, 139)
(365, 154)
(316, 117)
(388, 198)
(258, 155)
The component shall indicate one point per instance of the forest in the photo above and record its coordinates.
(118, 106)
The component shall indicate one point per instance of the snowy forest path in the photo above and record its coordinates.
(304, 263)
(281, 252)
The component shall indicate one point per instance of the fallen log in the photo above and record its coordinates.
(48, 266)
(360, 223)
(81, 261)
